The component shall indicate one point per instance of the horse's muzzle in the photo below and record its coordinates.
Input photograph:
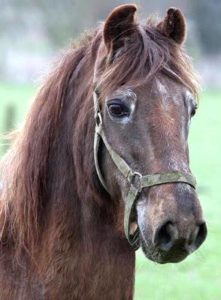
(168, 232)
(167, 246)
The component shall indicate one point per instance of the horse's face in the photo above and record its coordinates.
(148, 127)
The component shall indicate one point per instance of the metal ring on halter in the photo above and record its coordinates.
(135, 178)
(98, 119)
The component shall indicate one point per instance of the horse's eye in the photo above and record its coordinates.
(193, 110)
(118, 109)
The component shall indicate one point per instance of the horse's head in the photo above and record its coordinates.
(145, 98)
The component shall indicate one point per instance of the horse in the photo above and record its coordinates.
(101, 165)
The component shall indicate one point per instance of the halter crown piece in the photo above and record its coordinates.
(136, 180)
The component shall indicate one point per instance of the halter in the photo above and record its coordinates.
(136, 180)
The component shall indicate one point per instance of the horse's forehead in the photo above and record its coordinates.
(167, 86)
(161, 90)
(161, 87)
(168, 92)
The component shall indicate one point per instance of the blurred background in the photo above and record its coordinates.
(33, 33)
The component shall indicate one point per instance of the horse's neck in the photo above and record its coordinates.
(89, 262)
(88, 259)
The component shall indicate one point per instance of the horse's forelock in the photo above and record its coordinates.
(148, 52)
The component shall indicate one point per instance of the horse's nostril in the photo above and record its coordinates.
(165, 236)
(198, 236)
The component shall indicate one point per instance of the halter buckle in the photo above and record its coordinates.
(98, 119)
(135, 178)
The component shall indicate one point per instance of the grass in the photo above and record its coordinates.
(199, 276)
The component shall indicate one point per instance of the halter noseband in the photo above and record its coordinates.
(136, 180)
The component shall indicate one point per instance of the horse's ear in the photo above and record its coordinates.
(174, 25)
(119, 26)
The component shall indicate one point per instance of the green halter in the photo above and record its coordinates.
(136, 180)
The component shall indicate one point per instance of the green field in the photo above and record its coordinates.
(199, 276)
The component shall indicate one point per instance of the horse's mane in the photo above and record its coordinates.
(51, 160)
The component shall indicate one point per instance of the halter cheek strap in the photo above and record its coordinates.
(137, 181)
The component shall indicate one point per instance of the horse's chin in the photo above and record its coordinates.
(162, 257)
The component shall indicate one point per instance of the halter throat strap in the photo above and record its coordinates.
(137, 182)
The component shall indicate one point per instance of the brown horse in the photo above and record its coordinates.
(62, 234)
